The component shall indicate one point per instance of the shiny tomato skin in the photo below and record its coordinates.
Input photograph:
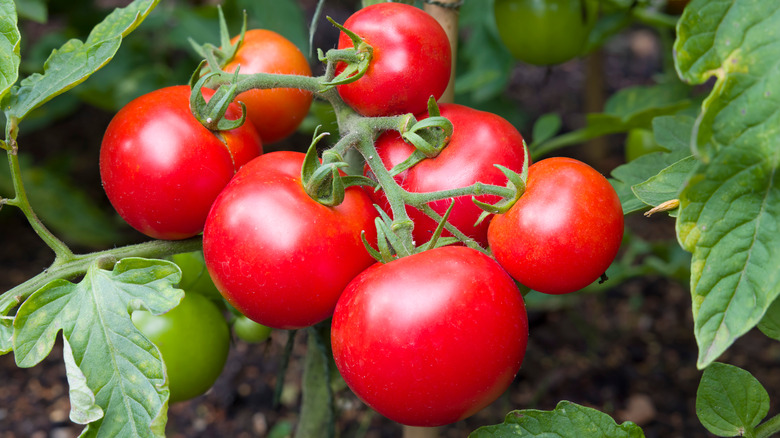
(411, 60)
(277, 112)
(194, 340)
(161, 169)
(431, 338)
(279, 257)
(565, 230)
(480, 139)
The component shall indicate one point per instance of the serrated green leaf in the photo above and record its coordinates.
(729, 213)
(9, 46)
(640, 104)
(75, 61)
(567, 420)
(730, 401)
(770, 323)
(667, 184)
(122, 368)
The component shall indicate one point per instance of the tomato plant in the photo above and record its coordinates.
(640, 142)
(431, 338)
(545, 32)
(193, 339)
(411, 60)
(277, 255)
(161, 169)
(479, 141)
(276, 112)
(194, 275)
(565, 230)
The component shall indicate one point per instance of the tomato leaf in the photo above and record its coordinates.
(9, 46)
(75, 61)
(770, 323)
(567, 420)
(110, 365)
(730, 210)
(6, 334)
(545, 128)
(673, 134)
(730, 401)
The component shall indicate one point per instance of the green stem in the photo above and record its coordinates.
(768, 428)
(20, 200)
(78, 264)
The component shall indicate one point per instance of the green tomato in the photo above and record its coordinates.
(194, 276)
(194, 339)
(545, 32)
(640, 142)
(250, 331)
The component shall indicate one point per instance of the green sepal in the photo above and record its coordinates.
(516, 182)
(357, 58)
(211, 114)
(435, 241)
(218, 57)
(429, 137)
(322, 180)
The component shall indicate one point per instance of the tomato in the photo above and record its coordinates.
(193, 339)
(479, 140)
(431, 338)
(250, 331)
(161, 169)
(411, 60)
(194, 276)
(278, 256)
(276, 112)
(640, 142)
(565, 230)
(545, 32)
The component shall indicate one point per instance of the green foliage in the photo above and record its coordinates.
(115, 373)
(730, 208)
(9, 46)
(730, 401)
(75, 61)
(567, 420)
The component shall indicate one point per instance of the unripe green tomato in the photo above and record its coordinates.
(250, 331)
(545, 32)
(640, 142)
(194, 339)
(194, 276)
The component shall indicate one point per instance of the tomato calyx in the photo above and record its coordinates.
(211, 113)
(516, 184)
(218, 57)
(323, 180)
(428, 136)
(356, 58)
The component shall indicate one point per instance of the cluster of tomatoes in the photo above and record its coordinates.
(426, 339)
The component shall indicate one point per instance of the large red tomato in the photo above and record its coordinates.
(411, 60)
(161, 169)
(432, 338)
(276, 112)
(565, 230)
(278, 256)
(479, 140)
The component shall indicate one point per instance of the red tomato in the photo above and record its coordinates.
(479, 140)
(161, 169)
(279, 257)
(276, 112)
(432, 338)
(565, 230)
(411, 60)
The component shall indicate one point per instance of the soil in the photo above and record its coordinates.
(628, 350)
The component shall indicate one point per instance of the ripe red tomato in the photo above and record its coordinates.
(565, 230)
(161, 169)
(279, 257)
(432, 338)
(479, 140)
(193, 339)
(276, 112)
(411, 60)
